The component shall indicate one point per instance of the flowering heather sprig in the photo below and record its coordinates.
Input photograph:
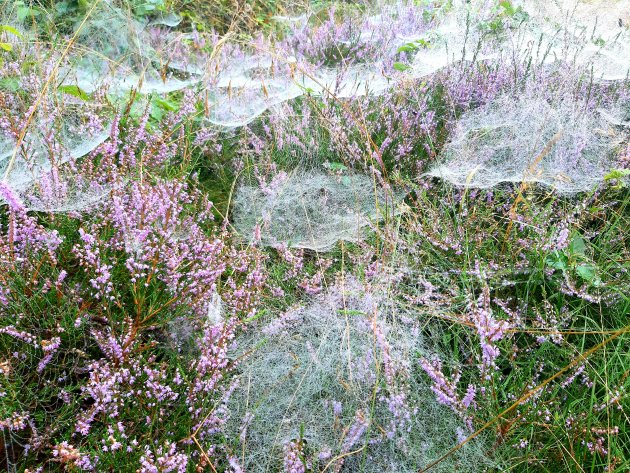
(234, 465)
(613, 398)
(19, 334)
(294, 258)
(548, 320)
(355, 432)
(14, 423)
(89, 255)
(395, 377)
(211, 368)
(489, 329)
(4, 293)
(49, 347)
(167, 459)
(104, 388)
(67, 454)
(293, 454)
(446, 389)
(7, 194)
(597, 446)
(161, 241)
(275, 185)
(245, 423)
(314, 284)
(577, 372)
(560, 240)
(243, 290)
(121, 379)
(25, 239)
(571, 287)
(284, 321)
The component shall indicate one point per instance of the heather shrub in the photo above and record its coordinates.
(113, 280)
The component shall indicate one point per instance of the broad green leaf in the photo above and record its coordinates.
(165, 104)
(399, 66)
(6, 47)
(578, 246)
(350, 312)
(406, 48)
(62, 7)
(557, 261)
(508, 7)
(11, 30)
(9, 84)
(157, 113)
(75, 91)
(336, 166)
(24, 12)
(588, 272)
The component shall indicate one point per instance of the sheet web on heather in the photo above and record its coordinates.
(61, 131)
(312, 210)
(340, 367)
(561, 143)
(120, 53)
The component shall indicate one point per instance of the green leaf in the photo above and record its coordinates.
(11, 30)
(165, 104)
(588, 272)
(617, 174)
(156, 112)
(406, 48)
(6, 47)
(557, 261)
(508, 7)
(9, 84)
(578, 246)
(75, 91)
(24, 12)
(62, 7)
(336, 167)
(350, 312)
(160, 105)
(260, 314)
(399, 66)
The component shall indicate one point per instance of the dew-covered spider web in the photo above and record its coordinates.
(346, 53)
(319, 368)
(48, 145)
(114, 50)
(558, 142)
(311, 210)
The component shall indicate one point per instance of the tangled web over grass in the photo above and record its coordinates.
(337, 376)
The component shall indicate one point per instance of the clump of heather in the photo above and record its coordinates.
(515, 300)
(92, 385)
